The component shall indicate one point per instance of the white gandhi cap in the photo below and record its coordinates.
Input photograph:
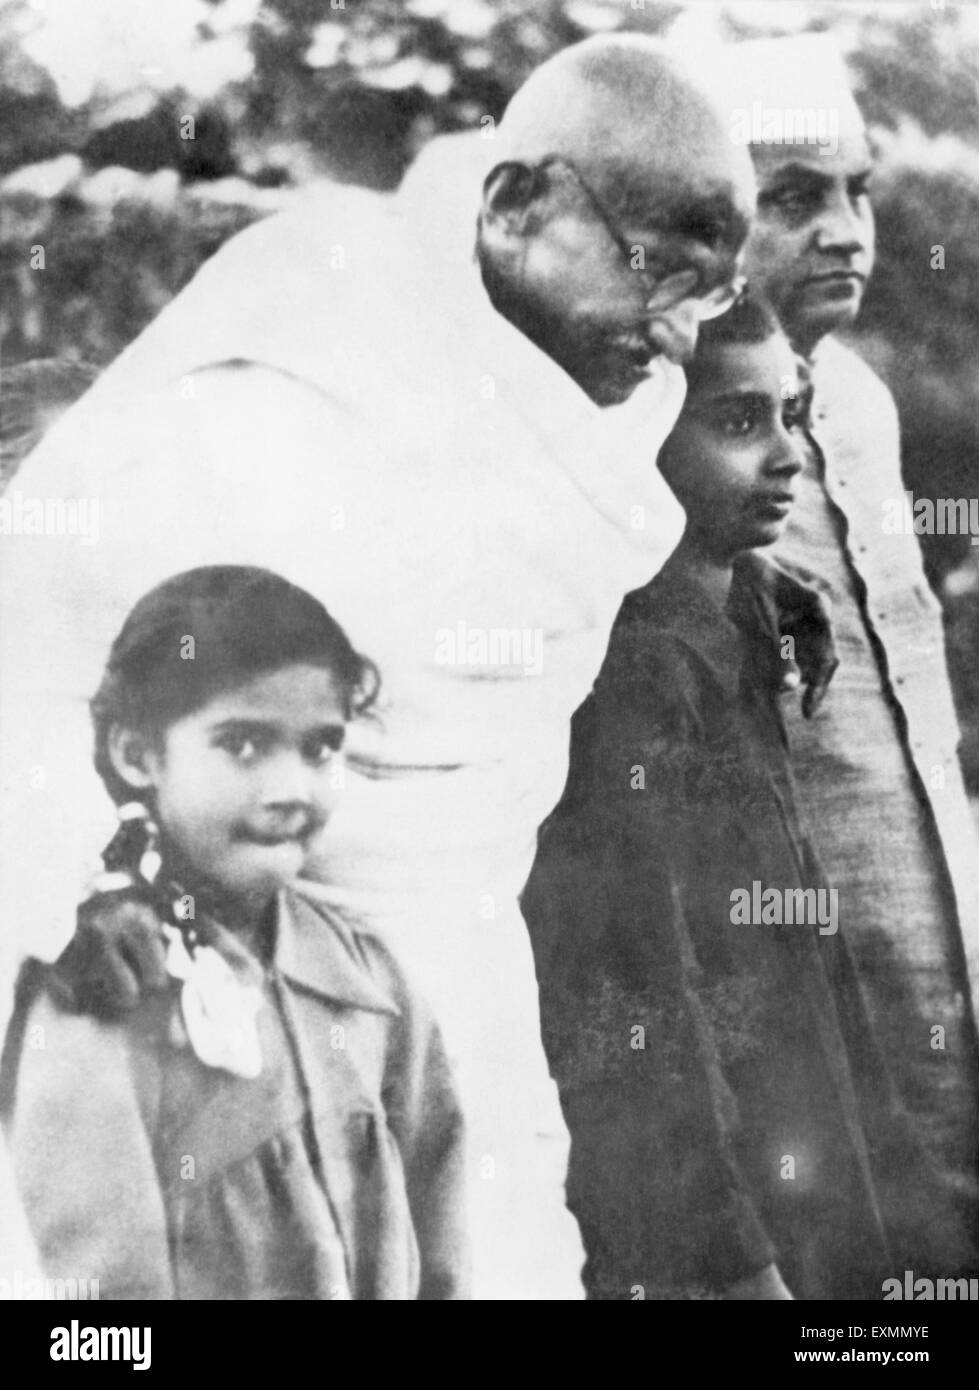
(805, 72)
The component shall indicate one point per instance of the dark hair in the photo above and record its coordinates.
(243, 622)
(750, 319)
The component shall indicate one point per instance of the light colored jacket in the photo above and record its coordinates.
(338, 1172)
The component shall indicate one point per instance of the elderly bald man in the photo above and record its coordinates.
(877, 766)
(459, 465)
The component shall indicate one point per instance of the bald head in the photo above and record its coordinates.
(615, 215)
(637, 122)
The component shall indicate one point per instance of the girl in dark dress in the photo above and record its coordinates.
(734, 1133)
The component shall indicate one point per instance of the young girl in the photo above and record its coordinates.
(279, 1122)
(733, 1129)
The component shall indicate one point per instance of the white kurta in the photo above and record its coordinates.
(334, 397)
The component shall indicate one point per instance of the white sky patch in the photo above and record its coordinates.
(117, 45)
(470, 19)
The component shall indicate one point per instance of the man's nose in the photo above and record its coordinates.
(842, 229)
(673, 331)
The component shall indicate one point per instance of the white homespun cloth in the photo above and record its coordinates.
(334, 397)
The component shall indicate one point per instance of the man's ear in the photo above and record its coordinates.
(133, 757)
(509, 193)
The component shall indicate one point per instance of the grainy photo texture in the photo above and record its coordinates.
(489, 651)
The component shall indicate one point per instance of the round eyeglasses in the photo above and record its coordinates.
(682, 285)
(666, 293)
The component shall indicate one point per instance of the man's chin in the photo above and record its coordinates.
(616, 387)
(821, 320)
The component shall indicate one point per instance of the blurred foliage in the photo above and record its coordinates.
(93, 167)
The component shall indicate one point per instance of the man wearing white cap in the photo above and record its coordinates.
(877, 766)
(459, 466)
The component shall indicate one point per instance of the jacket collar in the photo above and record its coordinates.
(314, 951)
(317, 952)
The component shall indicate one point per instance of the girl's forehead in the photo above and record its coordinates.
(296, 692)
(743, 367)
